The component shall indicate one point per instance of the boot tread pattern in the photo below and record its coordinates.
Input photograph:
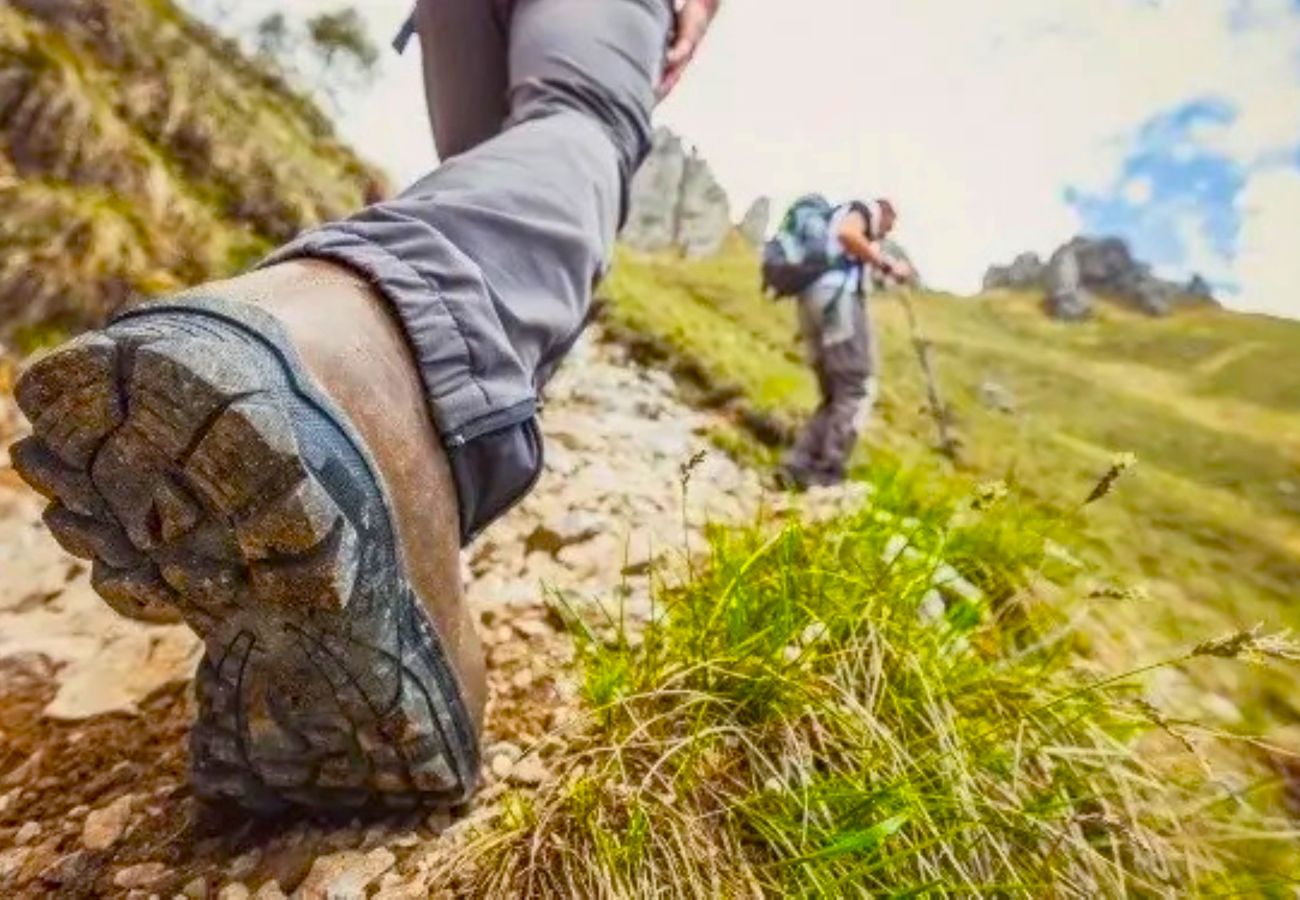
(167, 447)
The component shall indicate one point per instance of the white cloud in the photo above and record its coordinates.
(1269, 261)
(974, 116)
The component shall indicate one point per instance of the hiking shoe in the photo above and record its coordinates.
(187, 451)
(791, 478)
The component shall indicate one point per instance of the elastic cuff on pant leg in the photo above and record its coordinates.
(494, 470)
(495, 454)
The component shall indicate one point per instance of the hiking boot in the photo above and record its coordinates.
(269, 475)
(791, 478)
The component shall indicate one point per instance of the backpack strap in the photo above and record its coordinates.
(869, 211)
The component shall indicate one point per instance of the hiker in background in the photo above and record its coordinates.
(820, 255)
(291, 460)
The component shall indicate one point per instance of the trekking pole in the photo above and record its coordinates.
(949, 442)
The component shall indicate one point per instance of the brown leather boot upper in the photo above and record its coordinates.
(356, 351)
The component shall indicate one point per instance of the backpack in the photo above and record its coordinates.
(796, 256)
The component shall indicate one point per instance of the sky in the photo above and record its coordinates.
(996, 127)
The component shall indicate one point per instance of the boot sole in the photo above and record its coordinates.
(188, 454)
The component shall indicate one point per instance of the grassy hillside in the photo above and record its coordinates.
(1209, 401)
(801, 721)
(140, 152)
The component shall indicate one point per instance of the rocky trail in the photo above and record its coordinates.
(94, 710)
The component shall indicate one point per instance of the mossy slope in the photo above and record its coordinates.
(140, 152)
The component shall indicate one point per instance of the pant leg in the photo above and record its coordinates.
(849, 368)
(465, 48)
(490, 260)
(841, 346)
(804, 457)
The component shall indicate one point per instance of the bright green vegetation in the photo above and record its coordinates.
(139, 153)
(1209, 401)
(793, 725)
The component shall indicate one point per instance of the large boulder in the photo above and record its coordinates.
(676, 202)
(1067, 299)
(753, 225)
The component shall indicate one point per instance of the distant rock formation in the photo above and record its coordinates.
(1066, 297)
(676, 202)
(1027, 270)
(753, 225)
(1103, 266)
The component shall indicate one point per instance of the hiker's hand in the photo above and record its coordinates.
(900, 271)
(693, 20)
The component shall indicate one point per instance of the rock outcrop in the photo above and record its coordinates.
(1106, 268)
(1027, 270)
(753, 225)
(1066, 297)
(677, 203)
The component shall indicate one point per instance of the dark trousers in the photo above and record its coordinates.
(541, 114)
(841, 350)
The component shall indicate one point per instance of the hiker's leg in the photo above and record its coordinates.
(465, 47)
(489, 261)
(276, 482)
(848, 367)
(804, 458)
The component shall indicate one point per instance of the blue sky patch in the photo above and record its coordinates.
(1174, 199)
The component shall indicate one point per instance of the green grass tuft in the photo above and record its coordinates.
(804, 720)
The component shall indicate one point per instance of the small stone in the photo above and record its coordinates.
(501, 766)
(932, 608)
(12, 860)
(78, 811)
(530, 771)
(270, 891)
(196, 889)
(346, 875)
(438, 821)
(244, 865)
(104, 826)
(533, 628)
(28, 833)
(996, 397)
(234, 891)
(144, 875)
(67, 869)
(523, 680)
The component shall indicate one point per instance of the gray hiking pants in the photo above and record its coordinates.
(841, 349)
(541, 114)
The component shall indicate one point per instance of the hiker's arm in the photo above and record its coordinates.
(693, 20)
(853, 235)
